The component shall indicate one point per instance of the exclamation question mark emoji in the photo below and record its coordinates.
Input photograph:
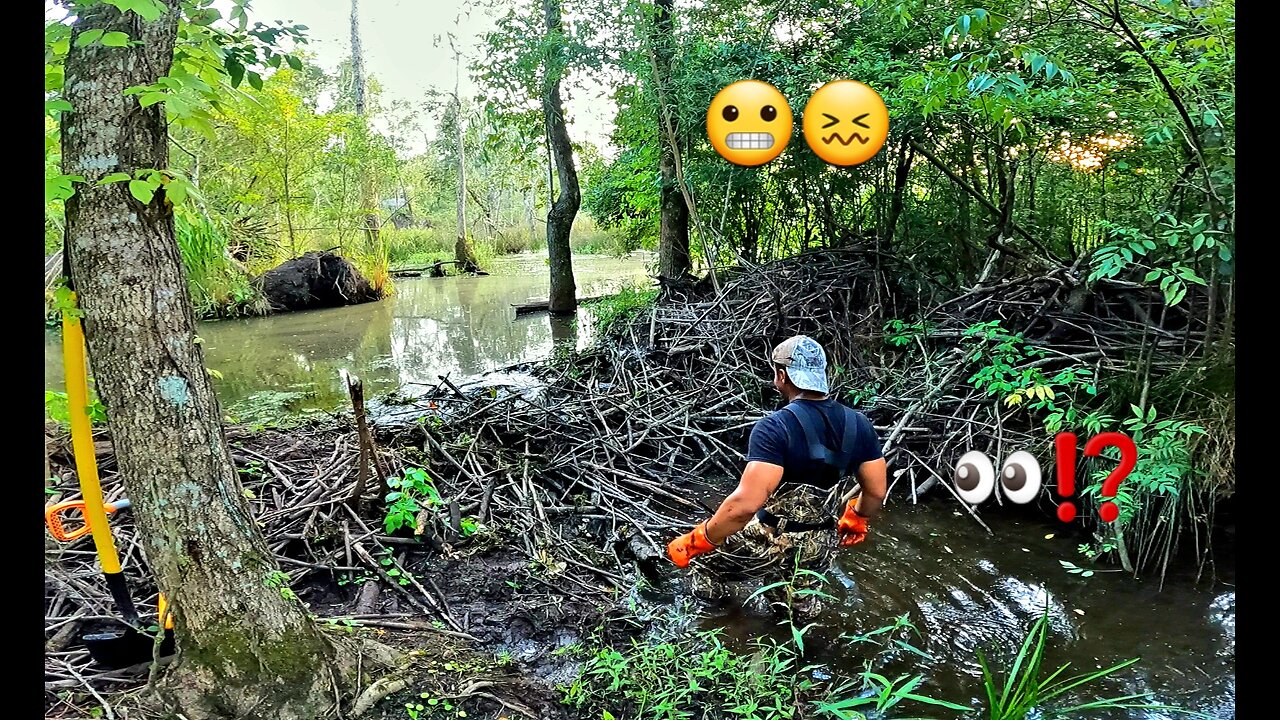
(1065, 444)
(1128, 459)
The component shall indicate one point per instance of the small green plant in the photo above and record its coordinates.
(56, 407)
(875, 691)
(394, 570)
(280, 579)
(900, 334)
(883, 695)
(1007, 370)
(1155, 492)
(1169, 254)
(410, 494)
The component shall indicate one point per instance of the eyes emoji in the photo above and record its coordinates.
(975, 477)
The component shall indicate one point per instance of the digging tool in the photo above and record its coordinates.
(114, 648)
(57, 528)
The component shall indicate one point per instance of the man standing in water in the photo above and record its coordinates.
(783, 515)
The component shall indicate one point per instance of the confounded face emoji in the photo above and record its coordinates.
(845, 123)
(749, 123)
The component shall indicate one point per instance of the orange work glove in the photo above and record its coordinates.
(852, 528)
(690, 545)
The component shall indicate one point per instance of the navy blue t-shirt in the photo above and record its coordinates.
(778, 439)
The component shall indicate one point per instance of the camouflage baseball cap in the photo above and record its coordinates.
(805, 361)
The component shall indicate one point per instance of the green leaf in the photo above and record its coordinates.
(148, 9)
(205, 16)
(294, 62)
(60, 187)
(115, 39)
(1050, 70)
(114, 178)
(236, 71)
(142, 190)
(59, 105)
(255, 80)
(88, 37)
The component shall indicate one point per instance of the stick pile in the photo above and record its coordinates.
(624, 445)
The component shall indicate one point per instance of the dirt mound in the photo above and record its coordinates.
(315, 280)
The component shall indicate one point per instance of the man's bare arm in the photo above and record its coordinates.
(873, 480)
(758, 482)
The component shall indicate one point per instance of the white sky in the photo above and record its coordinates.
(400, 50)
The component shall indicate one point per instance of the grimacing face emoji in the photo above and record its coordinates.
(845, 123)
(749, 123)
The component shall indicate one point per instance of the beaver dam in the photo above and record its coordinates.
(530, 572)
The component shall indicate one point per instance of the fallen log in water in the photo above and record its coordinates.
(544, 304)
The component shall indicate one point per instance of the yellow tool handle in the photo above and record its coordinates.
(82, 441)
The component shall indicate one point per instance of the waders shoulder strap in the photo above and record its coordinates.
(809, 419)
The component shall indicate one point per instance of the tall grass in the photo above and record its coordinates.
(1026, 689)
(410, 247)
(422, 246)
(374, 263)
(219, 286)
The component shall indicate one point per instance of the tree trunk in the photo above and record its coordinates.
(461, 248)
(246, 646)
(563, 295)
(368, 193)
(673, 237)
(905, 155)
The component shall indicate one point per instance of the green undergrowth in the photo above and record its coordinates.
(613, 310)
(273, 409)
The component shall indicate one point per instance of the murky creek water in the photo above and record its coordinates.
(455, 326)
(962, 588)
(965, 590)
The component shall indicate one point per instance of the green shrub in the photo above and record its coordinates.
(622, 306)
(219, 286)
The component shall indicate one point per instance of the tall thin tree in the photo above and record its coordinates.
(673, 236)
(560, 216)
(245, 648)
(461, 247)
(368, 190)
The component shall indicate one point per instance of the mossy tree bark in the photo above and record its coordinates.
(563, 296)
(246, 645)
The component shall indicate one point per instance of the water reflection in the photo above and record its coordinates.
(457, 326)
(964, 591)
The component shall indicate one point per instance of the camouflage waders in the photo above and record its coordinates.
(757, 556)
